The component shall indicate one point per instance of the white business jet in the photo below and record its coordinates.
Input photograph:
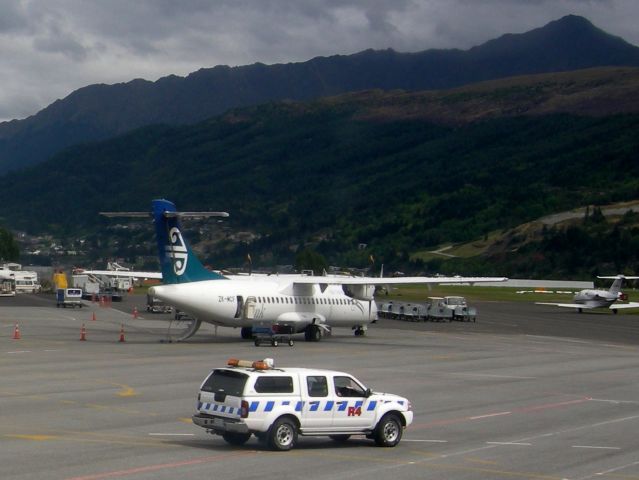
(590, 299)
(305, 304)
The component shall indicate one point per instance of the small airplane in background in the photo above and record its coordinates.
(304, 303)
(589, 299)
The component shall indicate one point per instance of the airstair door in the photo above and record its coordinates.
(249, 308)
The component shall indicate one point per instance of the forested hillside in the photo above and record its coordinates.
(376, 173)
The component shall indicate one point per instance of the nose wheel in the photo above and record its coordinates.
(359, 331)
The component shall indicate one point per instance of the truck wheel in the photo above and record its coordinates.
(282, 435)
(257, 342)
(389, 430)
(236, 438)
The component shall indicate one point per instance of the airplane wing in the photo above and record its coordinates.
(566, 305)
(343, 280)
(124, 273)
(617, 306)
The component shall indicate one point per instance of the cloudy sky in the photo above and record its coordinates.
(48, 48)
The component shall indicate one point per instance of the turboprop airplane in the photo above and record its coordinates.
(307, 304)
(590, 299)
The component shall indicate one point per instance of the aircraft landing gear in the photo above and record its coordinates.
(313, 333)
(247, 333)
(359, 331)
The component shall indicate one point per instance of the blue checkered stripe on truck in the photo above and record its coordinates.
(217, 408)
(314, 406)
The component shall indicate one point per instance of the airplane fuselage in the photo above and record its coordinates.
(595, 298)
(242, 303)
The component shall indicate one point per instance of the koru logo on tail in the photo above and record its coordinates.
(176, 250)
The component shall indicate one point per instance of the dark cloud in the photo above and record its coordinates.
(51, 47)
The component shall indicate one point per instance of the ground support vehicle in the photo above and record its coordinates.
(272, 333)
(278, 404)
(460, 309)
(153, 305)
(439, 311)
(68, 297)
(7, 287)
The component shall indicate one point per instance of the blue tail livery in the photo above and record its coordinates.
(178, 262)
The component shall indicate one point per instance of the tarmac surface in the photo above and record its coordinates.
(527, 392)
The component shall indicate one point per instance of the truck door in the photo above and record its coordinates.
(318, 405)
(353, 408)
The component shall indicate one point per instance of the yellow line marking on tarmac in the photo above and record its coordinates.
(88, 437)
(37, 438)
(125, 390)
(481, 461)
(186, 420)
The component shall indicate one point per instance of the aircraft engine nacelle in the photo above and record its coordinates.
(360, 292)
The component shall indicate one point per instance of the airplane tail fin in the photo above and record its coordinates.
(179, 263)
(616, 285)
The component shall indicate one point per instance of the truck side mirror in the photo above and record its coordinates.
(369, 392)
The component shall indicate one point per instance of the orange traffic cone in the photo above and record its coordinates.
(16, 333)
(83, 333)
(122, 334)
(135, 312)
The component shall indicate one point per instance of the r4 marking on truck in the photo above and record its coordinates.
(354, 411)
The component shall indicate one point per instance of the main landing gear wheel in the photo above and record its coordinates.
(313, 333)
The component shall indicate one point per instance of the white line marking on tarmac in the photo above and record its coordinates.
(596, 447)
(490, 415)
(616, 402)
(426, 441)
(18, 351)
(616, 469)
(492, 375)
(510, 443)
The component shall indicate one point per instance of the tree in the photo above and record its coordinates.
(8, 247)
(309, 259)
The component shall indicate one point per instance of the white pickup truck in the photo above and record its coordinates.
(278, 404)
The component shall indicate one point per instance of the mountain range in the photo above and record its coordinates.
(98, 112)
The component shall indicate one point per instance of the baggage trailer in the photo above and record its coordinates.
(272, 333)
